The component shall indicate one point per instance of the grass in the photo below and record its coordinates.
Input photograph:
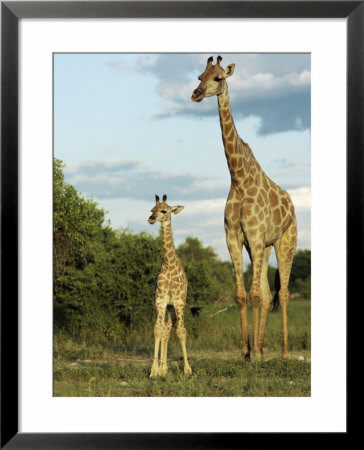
(121, 369)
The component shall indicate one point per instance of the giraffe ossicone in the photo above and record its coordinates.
(170, 292)
(259, 215)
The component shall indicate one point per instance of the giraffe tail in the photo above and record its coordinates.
(277, 286)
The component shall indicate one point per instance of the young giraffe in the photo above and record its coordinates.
(171, 290)
(258, 214)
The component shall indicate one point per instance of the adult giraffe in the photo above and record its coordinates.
(258, 214)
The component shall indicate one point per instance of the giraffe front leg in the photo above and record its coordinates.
(256, 295)
(163, 368)
(157, 340)
(158, 335)
(234, 243)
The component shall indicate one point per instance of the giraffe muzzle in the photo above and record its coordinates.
(197, 95)
(151, 220)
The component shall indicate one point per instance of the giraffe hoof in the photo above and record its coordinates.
(286, 355)
(188, 370)
(162, 370)
(154, 371)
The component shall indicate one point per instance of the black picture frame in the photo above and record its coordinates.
(11, 12)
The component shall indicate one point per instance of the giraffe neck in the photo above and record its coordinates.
(169, 251)
(238, 155)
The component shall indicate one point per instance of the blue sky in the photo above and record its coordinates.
(126, 128)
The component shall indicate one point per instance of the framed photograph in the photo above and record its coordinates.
(97, 118)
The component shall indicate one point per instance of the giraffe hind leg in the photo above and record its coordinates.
(285, 249)
(256, 290)
(182, 333)
(266, 300)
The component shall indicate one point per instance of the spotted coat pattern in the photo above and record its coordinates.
(258, 215)
(170, 293)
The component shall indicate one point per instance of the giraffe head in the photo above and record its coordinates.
(162, 211)
(213, 80)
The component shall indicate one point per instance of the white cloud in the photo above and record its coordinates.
(133, 179)
(206, 207)
(263, 84)
(301, 198)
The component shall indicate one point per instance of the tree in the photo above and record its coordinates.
(75, 220)
(137, 259)
(301, 266)
(300, 280)
(209, 279)
(80, 260)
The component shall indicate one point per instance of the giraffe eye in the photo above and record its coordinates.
(163, 212)
(218, 79)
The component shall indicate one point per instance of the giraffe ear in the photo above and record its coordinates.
(229, 70)
(176, 209)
